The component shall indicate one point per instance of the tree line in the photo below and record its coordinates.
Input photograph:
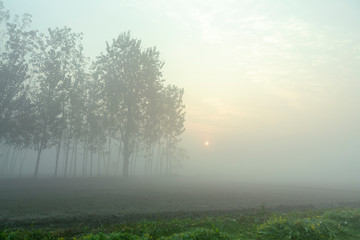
(99, 118)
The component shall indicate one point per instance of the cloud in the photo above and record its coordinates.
(282, 51)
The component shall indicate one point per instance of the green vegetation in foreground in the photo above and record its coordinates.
(320, 224)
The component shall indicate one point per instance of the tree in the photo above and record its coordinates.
(172, 122)
(4, 17)
(17, 43)
(48, 99)
(76, 100)
(153, 106)
(126, 72)
(14, 72)
(53, 75)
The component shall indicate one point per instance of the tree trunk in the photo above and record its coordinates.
(38, 159)
(152, 159)
(91, 161)
(104, 158)
(13, 160)
(66, 157)
(118, 160)
(109, 159)
(5, 162)
(76, 145)
(99, 158)
(127, 154)
(134, 157)
(57, 156)
(40, 149)
(161, 159)
(84, 158)
(22, 163)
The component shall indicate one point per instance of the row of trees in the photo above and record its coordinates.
(52, 98)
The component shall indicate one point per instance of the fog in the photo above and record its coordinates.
(271, 88)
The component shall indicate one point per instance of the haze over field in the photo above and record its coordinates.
(271, 88)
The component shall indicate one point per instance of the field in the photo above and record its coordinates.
(74, 207)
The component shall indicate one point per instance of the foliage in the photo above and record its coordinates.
(113, 236)
(346, 217)
(51, 99)
(28, 235)
(321, 224)
(14, 76)
(198, 234)
(333, 224)
(302, 228)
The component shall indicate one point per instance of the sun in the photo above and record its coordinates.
(206, 143)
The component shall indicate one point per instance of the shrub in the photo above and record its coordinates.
(113, 236)
(300, 228)
(199, 234)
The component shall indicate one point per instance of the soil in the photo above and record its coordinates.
(61, 203)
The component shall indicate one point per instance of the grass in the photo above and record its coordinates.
(316, 224)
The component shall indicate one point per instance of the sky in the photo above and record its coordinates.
(271, 85)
